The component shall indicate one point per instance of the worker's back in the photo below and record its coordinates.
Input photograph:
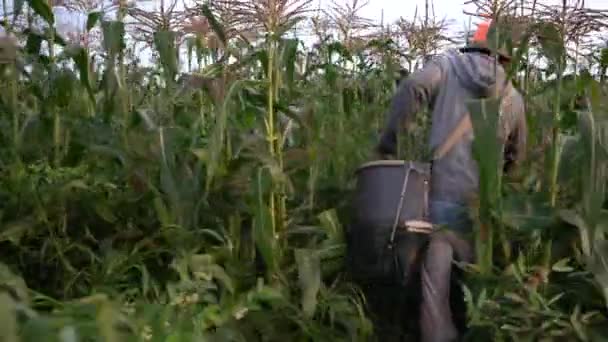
(467, 76)
(446, 83)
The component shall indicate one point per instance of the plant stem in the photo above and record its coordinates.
(12, 85)
(556, 115)
(55, 111)
(270, 127)
(124, 97)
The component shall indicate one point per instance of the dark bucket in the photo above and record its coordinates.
(378, 250)
(379, 188)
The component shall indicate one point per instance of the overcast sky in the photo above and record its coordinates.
(444, 9)
(390, 10)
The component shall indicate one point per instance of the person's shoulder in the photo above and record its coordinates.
(440, 62)
(445, 57)
(440, 59)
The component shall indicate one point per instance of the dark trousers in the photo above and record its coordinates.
(436, 317)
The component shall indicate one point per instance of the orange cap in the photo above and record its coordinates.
(481, 35)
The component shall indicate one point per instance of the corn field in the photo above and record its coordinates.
(205, 196)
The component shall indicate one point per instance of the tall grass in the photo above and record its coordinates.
(141, 203)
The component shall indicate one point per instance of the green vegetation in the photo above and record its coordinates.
(141, 204)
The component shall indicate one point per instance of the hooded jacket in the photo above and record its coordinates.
(444, 85)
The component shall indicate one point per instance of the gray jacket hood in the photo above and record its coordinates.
(475, 71)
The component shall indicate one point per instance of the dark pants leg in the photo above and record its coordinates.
(436, 323)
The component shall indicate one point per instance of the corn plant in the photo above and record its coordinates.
(142, 203)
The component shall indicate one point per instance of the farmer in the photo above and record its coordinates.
(444, 84)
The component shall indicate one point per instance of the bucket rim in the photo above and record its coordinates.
(392, 162)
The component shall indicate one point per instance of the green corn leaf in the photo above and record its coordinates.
(164, 42)
(68, 334)
(17, 8)
(63, 87)
(33, 43)
(598, 265)
(552, 43)
(331, 223)
(604, 57)
(289, 53)
(81, 59)
(562, 266)
(487, 151)
(218, 133)
(113, 37)
(9, 330)
(105, 212)
(42, 8)
(15, 231)
(92, 19)
(264, 235)
(309, 277)
(215, 25)
(526, 213)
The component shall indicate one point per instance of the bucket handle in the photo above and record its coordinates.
(408, 168)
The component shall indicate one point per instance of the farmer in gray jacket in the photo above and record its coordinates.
(444, 84)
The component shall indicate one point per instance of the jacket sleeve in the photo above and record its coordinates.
(414, 92)
(517, 131)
